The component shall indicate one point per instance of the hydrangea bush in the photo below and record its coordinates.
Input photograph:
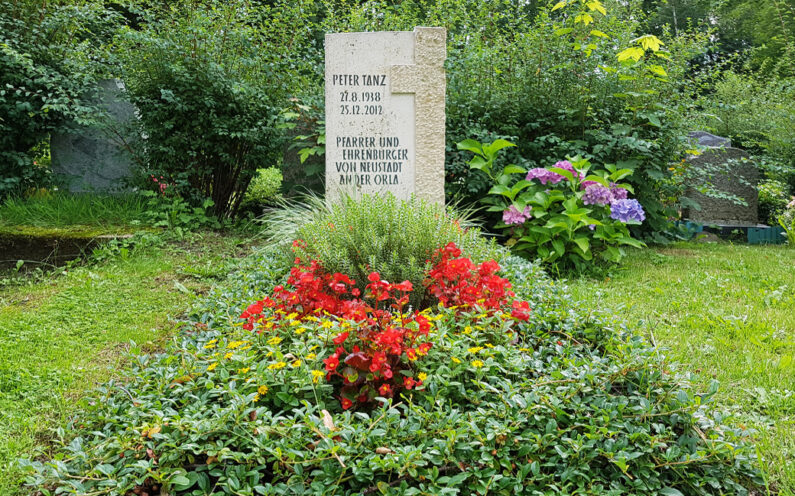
(565, 214)
(507, 400)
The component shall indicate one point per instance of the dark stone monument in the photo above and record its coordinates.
(89, 159)
(725, 170)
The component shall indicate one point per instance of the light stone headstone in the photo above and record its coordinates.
(385, 120)
(92, 159)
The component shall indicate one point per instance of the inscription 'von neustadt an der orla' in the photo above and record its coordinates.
(371, 144)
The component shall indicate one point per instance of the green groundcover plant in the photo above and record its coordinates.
(565, 214)
(519, 391)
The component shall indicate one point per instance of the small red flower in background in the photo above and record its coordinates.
(341, 338)
(346, 403)
(521, 310)
(332, 363)
(385, 390)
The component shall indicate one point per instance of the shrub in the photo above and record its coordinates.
(264, 187)
(560, 214)
(563, 401)
(381, 234)
(209, 89)
(773, 199)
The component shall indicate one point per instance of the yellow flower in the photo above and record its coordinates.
(311, 356)
(300, 330)
(212, 366)
(489, 345)
(477, 364)
(467, 329)
(312, 318)
(475, 349)
(262, 390)
(268, 325)
(210, 344)
(228, 355)
(294, 323)
(234, 344)
(274, 341)
(316, 375)
(277, 366)
(292, 316)
(256, 398)
(524, 349)
(454, 359)
(295, 364)
(327, 324)
(243, 371)
(422, 376)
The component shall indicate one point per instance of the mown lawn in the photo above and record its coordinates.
(725, 312)
(61, 336)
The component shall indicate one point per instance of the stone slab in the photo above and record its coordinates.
(91, 159)
(385, 121)
(728, 172)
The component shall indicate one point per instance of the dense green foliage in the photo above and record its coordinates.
(264, 187)
(209, 87)
(575, 406)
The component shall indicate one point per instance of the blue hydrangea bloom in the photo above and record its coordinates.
(627, 211)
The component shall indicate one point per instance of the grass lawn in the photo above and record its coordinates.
(61, 336)
(725, 312)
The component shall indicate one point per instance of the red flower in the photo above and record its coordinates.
(408, 382)
(374, 277)
(346, 403)
(403, 286)
(341, 338)
(332, 363)
(521, 310)
(385, 390)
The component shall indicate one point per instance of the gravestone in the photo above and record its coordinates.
(93, 159)
(729, 171)
(385, 120)
(703, 138)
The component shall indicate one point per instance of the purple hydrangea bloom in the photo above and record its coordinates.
(617, 192)
(627, 210)
(514, 216)
(544, 176)
(585, 184)
(596, 194)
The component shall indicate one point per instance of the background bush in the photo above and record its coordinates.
(264, 187)
(209, 84)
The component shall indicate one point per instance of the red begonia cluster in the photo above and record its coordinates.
(456, 281)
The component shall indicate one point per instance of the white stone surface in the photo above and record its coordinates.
(385, 114)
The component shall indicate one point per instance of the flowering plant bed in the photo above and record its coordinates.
(565, 214)
(502, 399)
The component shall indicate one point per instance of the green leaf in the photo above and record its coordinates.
(471, 146)
(599, 179)
(669, 491)
(479, 163)
(631, 53)
(563, 172)
(583, 243)
(596, 32)
(560, 248)
(513, 169)
(559, 5)
(491, 150)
